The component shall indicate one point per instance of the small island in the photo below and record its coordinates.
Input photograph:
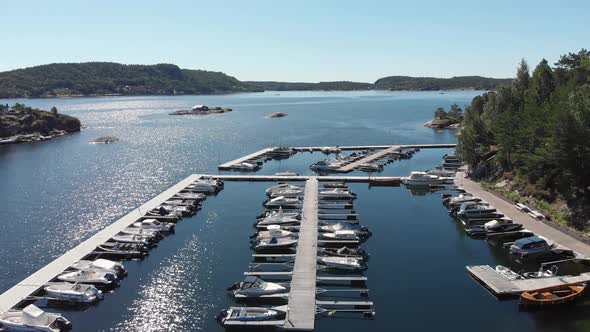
(276, 115)
(20, 123)
(446, 120)
(202, 110)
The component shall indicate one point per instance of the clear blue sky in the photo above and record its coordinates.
(297, 40)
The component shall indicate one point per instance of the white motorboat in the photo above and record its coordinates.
(248, 314)
(282, 186)
(278, 218)
(342, 263)
(203, 186)
(341, 226)
(507, 273)
(254, 287)
(370, 167)
(94, 277)
(130, 238)
(101, 264)
(326, 165)
(330, 149)
(274, 231)
(190, 196)
(286, 193)
(337, 193)
(245, 166)
(153, 224)
(340, 235)
(33, 319)
(548, 273)
(65, 291)
(274, 243)
(460, 199)
(475, 210)
(283, 201)
(150, 234)
(425, 179)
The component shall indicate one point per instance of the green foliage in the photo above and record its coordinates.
(105, 78)
(432, 83)
(540, 127)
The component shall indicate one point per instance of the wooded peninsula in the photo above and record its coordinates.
(106, 78)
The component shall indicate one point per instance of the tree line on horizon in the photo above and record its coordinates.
(106, 78)
(538, 127)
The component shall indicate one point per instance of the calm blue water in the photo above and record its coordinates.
(57, 193)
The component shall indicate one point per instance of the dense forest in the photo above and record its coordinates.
(106, 78)
(302, 86)
(433, 83)
(534, 134)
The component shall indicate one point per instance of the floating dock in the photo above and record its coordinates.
(302, 304)
(232, 163)
(29, 286)
(301, 178)
(369, 158)
(501, 287)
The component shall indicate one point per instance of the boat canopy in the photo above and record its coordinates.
(529, 241)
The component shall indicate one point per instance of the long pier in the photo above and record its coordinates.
(301, 178)
(302, 303)
(230, 164)
(24, 289)
(368, 158)
(256, 154)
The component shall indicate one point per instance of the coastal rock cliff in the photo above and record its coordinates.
(20, 120)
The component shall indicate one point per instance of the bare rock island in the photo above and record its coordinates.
(202, 110)
(276, 115)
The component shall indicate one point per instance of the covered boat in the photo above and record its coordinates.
(283, 201)
(125, 250)
(552, 295)
(282, 186)
(33, 319)
(99, 278)
(254, 287)
(344, 252)
(532, 245)
(101, 264)
(494, 226)
(65, 291)
(345, 234)
(274, 231)
(337, 193)
(130, 238)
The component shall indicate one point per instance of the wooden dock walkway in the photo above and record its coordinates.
(299, 178)
(256, 154)
(500, 286)
(302, 306)
(368, 158)
(581, 249)
(37, 280)
(375, 147)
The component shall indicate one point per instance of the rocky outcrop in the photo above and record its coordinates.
(21, 124)
(276, 115)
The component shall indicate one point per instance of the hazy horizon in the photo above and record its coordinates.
(298, 42)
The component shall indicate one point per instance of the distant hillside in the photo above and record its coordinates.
(105, 78)
(302, 86)
(433, 83)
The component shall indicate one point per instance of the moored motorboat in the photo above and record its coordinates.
(255, 287)
(245, 166)
(283, 201)
(344, 252)
(542, 273)
(122, 250)
(69, 292)
(282, 186)
(340, 226)
(153, 224)
(552, 295)
(337, 193)
(494, 226)
(101, 264)
(345, 234)
(248, 314)
(423, 179)
(532, 245)
(98, 278)
(278, 218)
(149, 234)
(274, 243)
(33, 319)
(129, 238)
(342, 263)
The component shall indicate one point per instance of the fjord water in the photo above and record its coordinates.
(57, 193)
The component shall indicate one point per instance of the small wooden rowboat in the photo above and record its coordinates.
(552, 295)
